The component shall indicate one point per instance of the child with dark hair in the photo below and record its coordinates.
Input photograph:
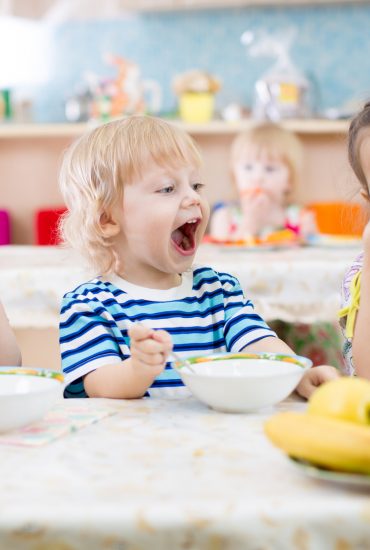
(355, 312)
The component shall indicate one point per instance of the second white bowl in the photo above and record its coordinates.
(26, 394)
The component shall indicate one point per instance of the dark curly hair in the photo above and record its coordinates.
(356, 134)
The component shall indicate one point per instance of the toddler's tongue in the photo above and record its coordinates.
(181, 240)
(177, 236)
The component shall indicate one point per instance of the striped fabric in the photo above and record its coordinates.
(206, 314)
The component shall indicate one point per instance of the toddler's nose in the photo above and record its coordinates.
(191, 198)
(258, 177)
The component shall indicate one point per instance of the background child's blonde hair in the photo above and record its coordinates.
(276, 141)
(97, 167)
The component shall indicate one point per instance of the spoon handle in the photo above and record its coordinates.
(183, 361)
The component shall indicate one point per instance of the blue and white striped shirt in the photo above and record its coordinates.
(207, 313)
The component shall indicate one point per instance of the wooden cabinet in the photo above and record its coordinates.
(30, 157)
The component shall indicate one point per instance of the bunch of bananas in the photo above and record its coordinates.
(334, 432)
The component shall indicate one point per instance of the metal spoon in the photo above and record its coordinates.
(184, 361)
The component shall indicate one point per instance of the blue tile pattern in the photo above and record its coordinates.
(332, 47)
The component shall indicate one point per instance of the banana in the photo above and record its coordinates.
(346, 398)
(328, 442)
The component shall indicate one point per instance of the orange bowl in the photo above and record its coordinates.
(339, 218)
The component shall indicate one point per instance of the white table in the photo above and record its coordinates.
(294, 285)
(172, 475)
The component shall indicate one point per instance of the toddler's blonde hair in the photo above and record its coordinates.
(276, 141)
(98, 166)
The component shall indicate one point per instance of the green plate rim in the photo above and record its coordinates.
(298, 360)
(316, 472)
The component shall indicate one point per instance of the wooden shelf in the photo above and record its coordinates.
(302, 126)
(9, 130)
(37, 9)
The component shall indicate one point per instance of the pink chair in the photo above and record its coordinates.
(4, 227)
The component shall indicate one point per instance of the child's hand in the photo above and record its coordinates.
(260, 211)
(149, 350)
(314, 378)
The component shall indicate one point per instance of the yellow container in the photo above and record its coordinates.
(196, 106)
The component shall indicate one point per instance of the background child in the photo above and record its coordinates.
(266, 162)
(137, 209)
(355, 312)
(9, 351)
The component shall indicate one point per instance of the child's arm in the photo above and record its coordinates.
(131, 378)
(9, 351)
(361, 334)
(311, 379)
(272, 344)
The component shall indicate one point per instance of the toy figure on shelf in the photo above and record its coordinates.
(127, 94)
(265, 165)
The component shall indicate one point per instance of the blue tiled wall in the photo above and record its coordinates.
(332, 46)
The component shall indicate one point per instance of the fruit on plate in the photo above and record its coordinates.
(346, 398)
(324, 441)
(281, 236)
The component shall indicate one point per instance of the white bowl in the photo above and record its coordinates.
(242, 382)
(26, 394)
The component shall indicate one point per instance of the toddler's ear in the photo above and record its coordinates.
(110, 228)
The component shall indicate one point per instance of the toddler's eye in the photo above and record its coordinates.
(198, 186)
(270, 168)
(248, 167)
(166, 190)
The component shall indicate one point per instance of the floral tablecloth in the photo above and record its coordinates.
(293, 285)
(172, 475)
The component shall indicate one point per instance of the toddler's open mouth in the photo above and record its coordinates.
(183, 237)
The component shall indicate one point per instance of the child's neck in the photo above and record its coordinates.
(163, 281)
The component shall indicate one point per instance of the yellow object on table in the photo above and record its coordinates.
(346, 398)
(196, 106)
(323, 441)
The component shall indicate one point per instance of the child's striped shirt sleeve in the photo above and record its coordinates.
(243, 325)
(89, 337)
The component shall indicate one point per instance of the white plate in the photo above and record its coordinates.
(343, 478)
(246, 247)
(228, 245)
(255, 247)
(333, 241)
